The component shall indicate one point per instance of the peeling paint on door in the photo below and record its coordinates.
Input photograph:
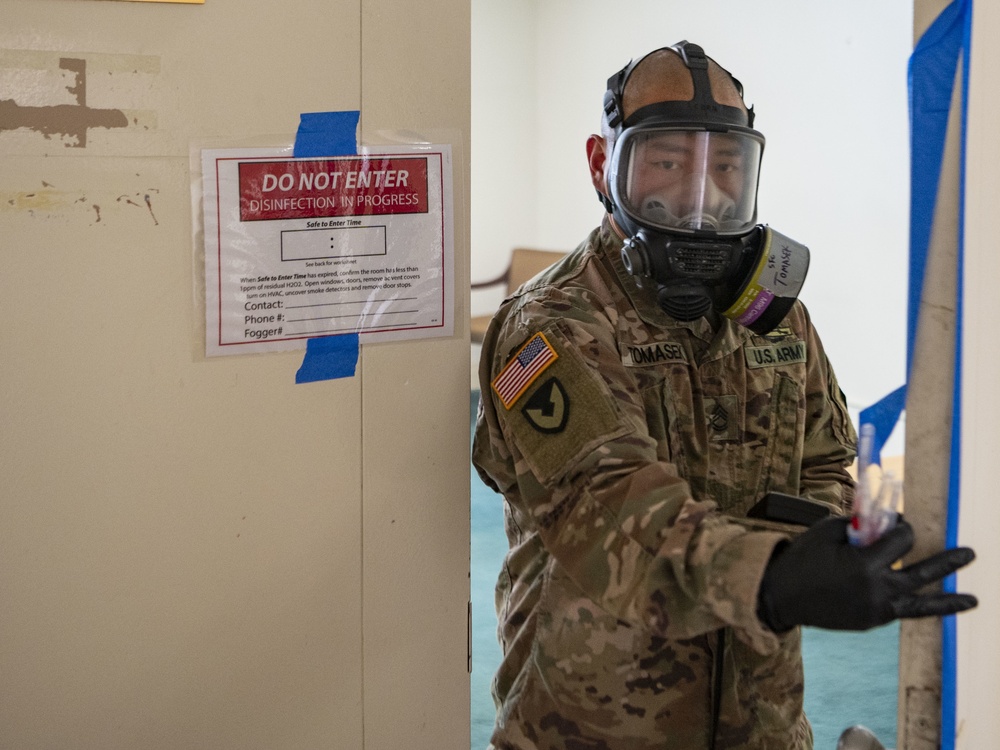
(51, 94)
(69, 121)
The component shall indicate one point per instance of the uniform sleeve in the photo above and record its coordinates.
(830, 439)
(572, 454)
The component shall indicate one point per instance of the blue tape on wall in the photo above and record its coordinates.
(883, 416)
(932, 80)
(328, 134)
(931, 84)
(329, 357)
(961, 35)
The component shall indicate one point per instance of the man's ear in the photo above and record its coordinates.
(597, 155)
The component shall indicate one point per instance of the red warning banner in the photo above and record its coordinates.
(305, 189)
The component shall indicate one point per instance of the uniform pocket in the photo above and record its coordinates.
(781, 467)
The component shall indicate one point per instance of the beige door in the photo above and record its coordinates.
(199, 553)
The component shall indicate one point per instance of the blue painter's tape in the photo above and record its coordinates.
(328, 134)
(932, 71)
(931, 76)
(931, 80)
(329, 357)
(883, 415)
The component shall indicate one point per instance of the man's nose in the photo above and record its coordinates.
(700, 194)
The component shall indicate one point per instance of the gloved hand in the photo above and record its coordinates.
(820, 579)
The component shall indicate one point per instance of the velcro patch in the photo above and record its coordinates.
(644, 355)
(565, 416)
(776, 354)
(531, 360)
(779, 334)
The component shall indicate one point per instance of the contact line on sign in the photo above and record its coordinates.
(351, 302)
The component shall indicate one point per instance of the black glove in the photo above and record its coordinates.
(820, 579)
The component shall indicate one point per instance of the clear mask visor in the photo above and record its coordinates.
(688, 180)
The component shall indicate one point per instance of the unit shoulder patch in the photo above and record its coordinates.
(562, 417)
(548, 408)
(776, 355)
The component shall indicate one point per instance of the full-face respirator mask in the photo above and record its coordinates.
(683, 181)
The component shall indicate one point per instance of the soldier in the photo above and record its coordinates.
(639, 399)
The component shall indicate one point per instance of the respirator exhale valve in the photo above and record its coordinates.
(684, 271)
(753, 280)
(680, 257)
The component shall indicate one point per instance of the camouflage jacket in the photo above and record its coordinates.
(628, 447)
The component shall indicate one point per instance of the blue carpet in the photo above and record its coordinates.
(851, 678)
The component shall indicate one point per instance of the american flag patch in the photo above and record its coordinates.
(520, 372)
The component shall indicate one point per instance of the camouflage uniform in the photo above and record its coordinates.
(627, 600)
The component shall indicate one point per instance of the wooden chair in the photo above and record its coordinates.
(525, 263)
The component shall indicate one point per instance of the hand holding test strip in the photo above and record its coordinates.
(874, 513)
(822, 579)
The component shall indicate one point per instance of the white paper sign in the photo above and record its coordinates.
(299, 248)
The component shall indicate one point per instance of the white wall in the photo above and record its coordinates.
(828, 81)
(504, 116)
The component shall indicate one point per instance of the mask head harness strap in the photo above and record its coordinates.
(701, 109)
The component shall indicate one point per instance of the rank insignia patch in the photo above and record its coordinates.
(548, 408)
(723, 418)
(530, 362)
